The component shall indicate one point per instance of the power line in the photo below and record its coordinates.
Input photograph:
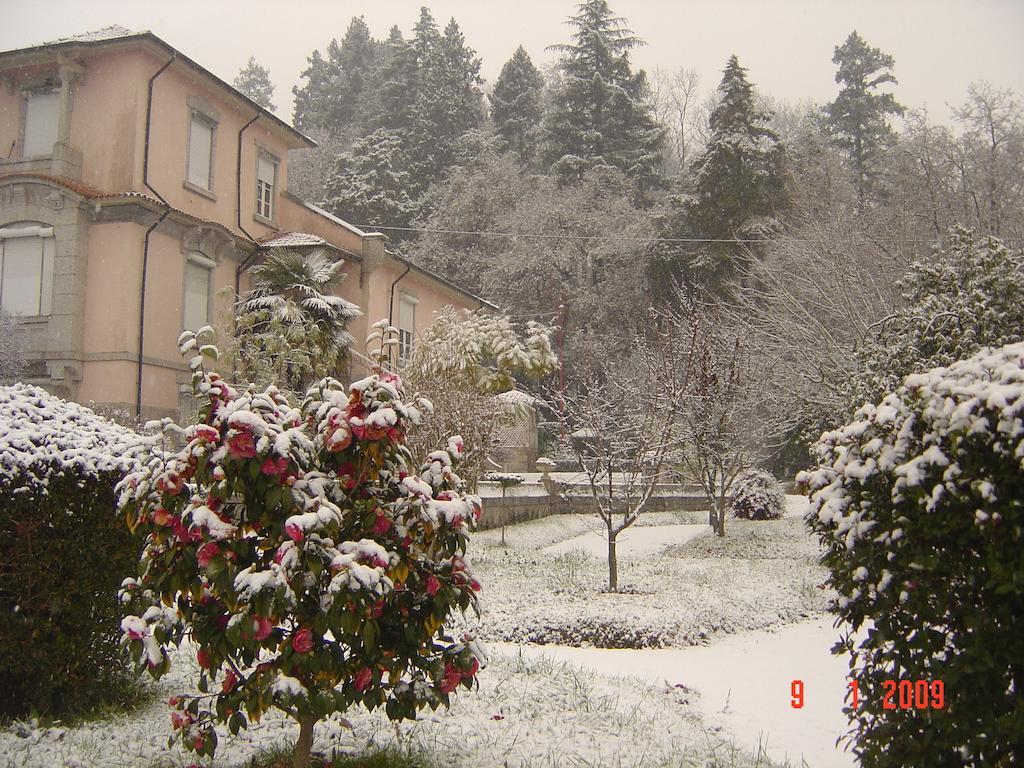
(648, 239)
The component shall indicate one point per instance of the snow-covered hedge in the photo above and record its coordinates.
(920, 502)
(757, 495)
(63, 551)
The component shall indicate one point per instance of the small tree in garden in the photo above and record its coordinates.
(623, 431)
(918, 501)
(460, 363)
(305, 562)
(506, 480)
(756, 495)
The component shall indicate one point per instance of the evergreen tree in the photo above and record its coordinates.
(338, 88)
(516, 104)
(738, 181)
(601, 115)
(254, 81)
(397, 83)
(370, 184)
(858, 118)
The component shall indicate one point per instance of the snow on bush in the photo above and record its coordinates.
(42, 435)
(63, 552)
(758, 496)
(311, 569)
(920, 502)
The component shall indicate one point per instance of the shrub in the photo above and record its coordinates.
(920, 503)
(63, 553)
(758, 496)
(310, 569)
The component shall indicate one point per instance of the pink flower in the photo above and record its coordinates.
(474, 585)
(177, 720)
(381, 525)
(162, 517)
(274, 467)
(206, 433)
(207, 553)
(362, 679)
(242, 446)
(432, 585)
(294, 532)
(452, 678)
(263, 627)
(302, 641)
(170, 482)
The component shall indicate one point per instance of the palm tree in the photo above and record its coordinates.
(291, 328)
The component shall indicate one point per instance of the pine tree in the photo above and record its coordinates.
(738, 181)
(516, 104)
(370, 185)
(601, 116)
(338, 88)
(254, 81)
(858, 118)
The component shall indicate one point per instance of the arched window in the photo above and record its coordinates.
(26, 268)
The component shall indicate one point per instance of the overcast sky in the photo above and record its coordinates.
(940, 45)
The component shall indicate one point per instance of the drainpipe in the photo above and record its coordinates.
(238, 209)
(145, 241)
(391, 300)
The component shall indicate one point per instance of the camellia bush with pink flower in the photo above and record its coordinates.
(297, 555)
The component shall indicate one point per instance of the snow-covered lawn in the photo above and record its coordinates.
(689, 703)
(636, 541)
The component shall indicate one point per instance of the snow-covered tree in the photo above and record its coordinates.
(738, 184)
(757, 495)
(460, 364)
(517, 105)
(290, 329)
(371, 184)
(968, 295)
(301, 556)
(677, 106)
(917, 501)
(12, 352)
(254, 81)
(600, 114)
(858, 119)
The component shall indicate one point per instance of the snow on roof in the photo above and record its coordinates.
(291, 240)
(111, 32)
(42, 435)
(316, 209)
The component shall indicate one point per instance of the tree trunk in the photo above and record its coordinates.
(300, 756)
(720, 528)
(613, 565)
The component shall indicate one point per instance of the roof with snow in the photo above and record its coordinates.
(517, 397)
(42, 436)
(291, 240)
(111, 32)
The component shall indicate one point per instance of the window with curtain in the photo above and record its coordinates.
(200, 151)
(26, 269)
(266, 182)
(40, 123)
(198, 286)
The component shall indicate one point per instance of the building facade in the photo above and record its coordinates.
(136, 190)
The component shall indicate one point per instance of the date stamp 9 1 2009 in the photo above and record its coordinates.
(896, 694)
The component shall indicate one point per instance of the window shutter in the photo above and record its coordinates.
(197, 295)
(199, 150)
(22, 280)
(40, 123)
(265, 172)
(407, 315)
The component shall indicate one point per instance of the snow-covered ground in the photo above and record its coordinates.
(638, 541)
(744, 684)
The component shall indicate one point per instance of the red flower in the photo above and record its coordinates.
(162, 517)
(222, 620)
(263, 627)
(474, 667)
(302, 641)
(207, 553)
(338, 437)
(230, 681)
(242, 446)
(203, 658)
(362, 679)
(170, 483)
(207, 433)
(381, 525)
(452, 678)
(432, 585)
(474, 585)
(274, 467)
(294, 532)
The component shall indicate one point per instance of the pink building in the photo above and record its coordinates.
(135, 186)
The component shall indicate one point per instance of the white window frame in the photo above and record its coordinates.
(266, 195)
(197, 260)
(196, 115)
(47, 257)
